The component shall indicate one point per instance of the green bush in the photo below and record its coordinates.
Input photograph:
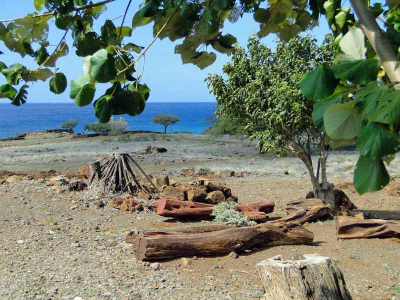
(114, 127)
(225, 125)
(125, 138)
(226, 213)
(71, 124)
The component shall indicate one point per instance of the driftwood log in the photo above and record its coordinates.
(377, 214)
(310, 278)
(194, 210)
(358, 228)
(157, 247)
(304, 216)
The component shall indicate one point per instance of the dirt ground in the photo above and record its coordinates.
(56, 244)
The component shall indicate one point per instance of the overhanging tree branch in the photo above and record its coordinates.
(378, 39)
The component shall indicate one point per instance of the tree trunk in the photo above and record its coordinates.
(378, 39)
(95, 171)
(313, 277)
(165, 129)
(156, 247)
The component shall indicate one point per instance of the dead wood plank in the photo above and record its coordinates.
(377, 214)
(356, 228)
(157, 247)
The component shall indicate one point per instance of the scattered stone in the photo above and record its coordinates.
(83, 172)
(155, 266)
(173, 193)
(41, 180)
(2, 180)
(196, 195)
(187, 172)
(77, 185)
(285, 171)
(185, 262)
(125, 203)
(14, 178)
(227, 173)
(160, 181)
(233, 255)
(47, 222)
(99, 203)
(215, 197)
(58, 181)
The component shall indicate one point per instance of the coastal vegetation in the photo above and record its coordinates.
(71, 124)
(113, 126)
(165, 120)
(259, 89)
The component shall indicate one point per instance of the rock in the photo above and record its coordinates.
(215, 197)
(232, 198)
(77, 185)
(240, 174)
(173, 193)
(160, 181)
(14, 178)
(99, 203)
(58, 189)
(196, 195)
(125, 203)
(40, 180)
(227, 173)
(185, 262)
(2, 180)
(58, 181)
(161, 150)
(155, 266)
(83, 172)
(285, 171)
(143, 195)
(187, 172)
(47, 222)
(233, 255)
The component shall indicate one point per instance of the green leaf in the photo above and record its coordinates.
(389, 110)
(21, 97)
(129, 102)
(41, 74)
(39, 4)
(376, 141)
(342, 121)
(341, 18)
(102, 66)
(124, 31)
(224, 43)
(88, 44)
(223, 4)
(41, 55)
(138, 20)
(103, 108)
(61, 51)
(203, 59)
(261, 15)
(13, 73)
(7, 91)
(341, 143)
(31, 29)
(148, 8)
(321, 107)
(319, 83)
(63, 22)
(58, 83)
(82, 92)
(109, 33)
(370, 97)
(353, 45)
(358, 71)
(370, 175)
(133, 47)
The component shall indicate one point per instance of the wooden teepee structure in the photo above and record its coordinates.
(115, 174)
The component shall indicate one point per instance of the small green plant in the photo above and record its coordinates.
(71, 124)
(125, 138)
(107, 140)
(226, 213)
(353, 256)
(203, 171)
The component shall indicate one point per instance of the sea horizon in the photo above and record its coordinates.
(39, 116)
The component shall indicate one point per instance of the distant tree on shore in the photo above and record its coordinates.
(165, 120)
(112, 126)
(69, 125)
(261, 89)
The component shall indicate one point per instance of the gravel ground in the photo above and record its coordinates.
(56, 244)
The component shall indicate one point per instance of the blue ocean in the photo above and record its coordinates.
(41, 116)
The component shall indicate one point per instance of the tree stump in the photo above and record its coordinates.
(312, 277)
(95, 171)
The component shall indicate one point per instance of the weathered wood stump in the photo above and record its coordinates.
(157, 247)
(193, 210)
(313, 277)
(95, 171)
(358, 228)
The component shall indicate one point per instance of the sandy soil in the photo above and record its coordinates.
(60, 245)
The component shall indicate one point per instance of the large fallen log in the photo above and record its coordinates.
(377, 214)
(157, 247)
(304, 216)
(311, 277)
(191, 210)
(357, 228)
(133, 235)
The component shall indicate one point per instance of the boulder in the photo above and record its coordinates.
(197, 194)
(160, 181)
(58, 181)
(2, 180)
(187, 172)
(227, 173)
(83, 172)
(14, 178)
(173, 193)
(125, 203)
(215, 197)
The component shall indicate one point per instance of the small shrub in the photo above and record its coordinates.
(226, 213)
(107, 140)
(114, 127)
(125, 138)
(71, 124)
(203, 171)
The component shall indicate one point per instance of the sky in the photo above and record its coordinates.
(168, 79)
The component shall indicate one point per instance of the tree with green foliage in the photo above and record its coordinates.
(71, 124)
(165, 120)
(114, 127)
(365, 77)
(260, 88)
(225, 125)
